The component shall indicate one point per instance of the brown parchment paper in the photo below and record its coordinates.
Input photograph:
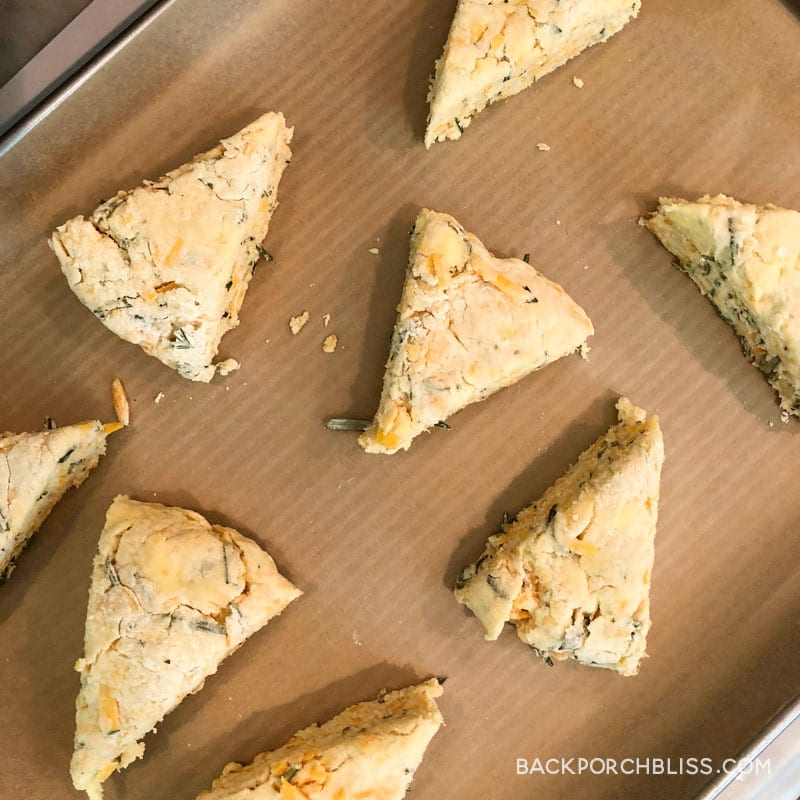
(695, 96)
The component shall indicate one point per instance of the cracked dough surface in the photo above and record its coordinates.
(171, 597)
(370, 750)
(468, 324)
(496, 49)
(572, 572)
(166, 266)
(36, 469)
(746, 260)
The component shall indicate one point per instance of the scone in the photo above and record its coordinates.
(746, 260)
(468, 324)
(572, 572)
(370, 750)
(36, 469)
(171, 597)
(166, 266)
(497, 49)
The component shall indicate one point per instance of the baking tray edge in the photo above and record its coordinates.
(24, 126)
(779, 724)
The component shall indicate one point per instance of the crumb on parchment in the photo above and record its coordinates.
(578, 82)
(542, 146)
(158, 398)
(227, 366)
(296, 323)
(329, 345)
(122, 409)
(326, 318)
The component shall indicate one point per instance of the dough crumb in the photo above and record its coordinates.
(329, 345)
(785, 417)
(326, 318)
(578, 82)
(158, 398)
(120, 400)
(542, 146)
(227, 366)
(374, 251)
(296, 323)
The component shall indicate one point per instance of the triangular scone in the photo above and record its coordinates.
(468, 324)
(171, 597)
(746, 260)
(572, 572)
(495, 50)
(36, 469)
(166, 265)
(370, 750)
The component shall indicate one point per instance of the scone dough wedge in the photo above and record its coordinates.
(36, 469)
(497, 49)
(171, 597)
(166, 266)
(572, 572)
(370, 750)
(746, 260)
(468, 324)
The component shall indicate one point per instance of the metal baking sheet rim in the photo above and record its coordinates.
(777, 725)
(770, 734)
(39, 113)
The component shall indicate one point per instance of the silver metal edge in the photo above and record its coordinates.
(789, 714)
(24, 126)
(77, 43)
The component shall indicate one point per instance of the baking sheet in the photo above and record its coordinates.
(51, 75)
(26, 28)
(691, 97)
